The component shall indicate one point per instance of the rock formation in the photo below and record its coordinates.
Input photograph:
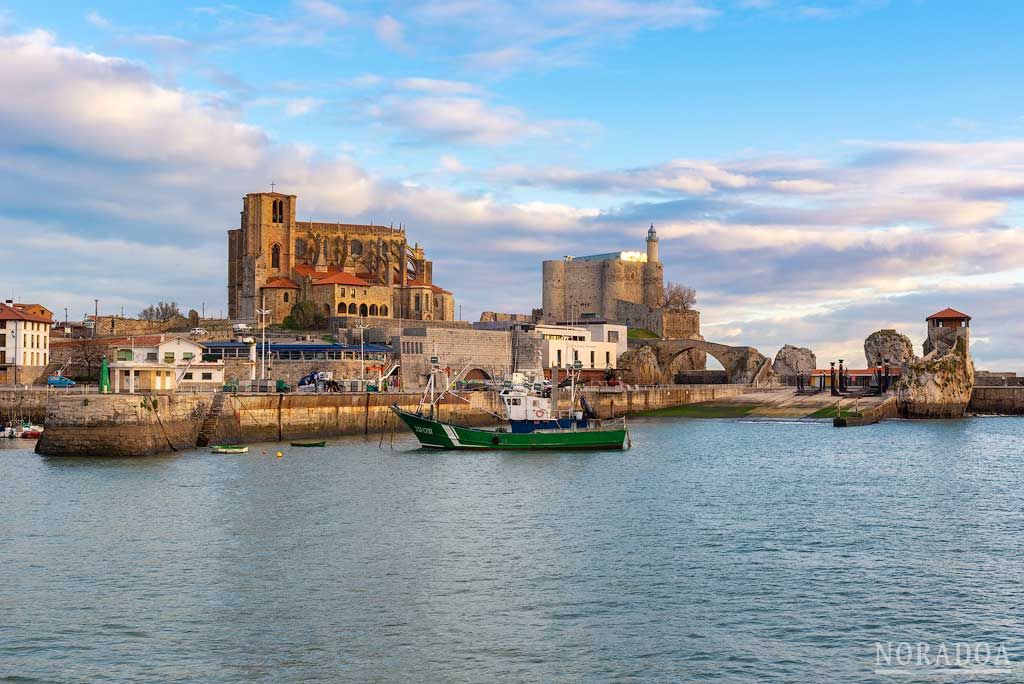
(888, 346)
(640, 367)
(790, 360)
(939, 385)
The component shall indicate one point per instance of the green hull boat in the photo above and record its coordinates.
(439, 435)
(313, 443)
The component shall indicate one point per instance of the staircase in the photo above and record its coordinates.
(209, 426)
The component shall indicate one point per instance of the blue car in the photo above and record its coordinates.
(59, 381)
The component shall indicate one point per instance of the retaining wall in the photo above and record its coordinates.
(1002, 400)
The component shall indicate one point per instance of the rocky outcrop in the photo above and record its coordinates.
(791, 360)
(937, 386)
(888, 346)
(640, 367)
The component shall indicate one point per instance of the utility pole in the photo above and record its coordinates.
(96, 317)
(362, 361)
(203, 315)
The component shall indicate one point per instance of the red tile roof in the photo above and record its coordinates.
(282, 283)
(435, 288)
(947, 314)
(341, 278)
(14, 313)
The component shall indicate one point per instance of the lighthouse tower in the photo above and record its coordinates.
(654, 272)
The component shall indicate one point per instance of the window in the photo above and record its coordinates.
(592, 353)
(416, 303)
(607, 358)
(559, 357)
(187, 376)
(124, 354)
(277, 211)
(373, 309)
(275, 256)
(207, 376)
(285, 297)
(613, 335)
(187, 355)
(352, 308)
(168, 357)
(3, 340)
(342, 308)
(363, 310)
(356, 248)
(150, 356)
(300, 249)
(327, 309)
(383, 309)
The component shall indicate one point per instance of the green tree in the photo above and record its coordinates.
(305, 316)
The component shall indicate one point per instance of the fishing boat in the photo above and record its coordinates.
(310, 443)
(229, 449)
(532, 421)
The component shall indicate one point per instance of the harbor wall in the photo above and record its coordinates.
(121, 424)
(22, 404)
(999, 400)
(139, 425)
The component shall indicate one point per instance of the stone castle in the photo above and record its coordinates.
(346, 269)
(627, 287)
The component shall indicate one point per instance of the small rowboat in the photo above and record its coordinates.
(309, 443)
(229, 449)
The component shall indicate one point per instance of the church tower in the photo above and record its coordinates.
(654, 272)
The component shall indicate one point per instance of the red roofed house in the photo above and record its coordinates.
(346, 269)
(24, 342)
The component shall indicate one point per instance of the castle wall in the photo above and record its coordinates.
(553, 289)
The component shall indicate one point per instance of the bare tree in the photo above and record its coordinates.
(88, 352)
(679, 297)
(163, 311)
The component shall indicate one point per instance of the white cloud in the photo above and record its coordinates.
(326, 11)
(98, 20)
(391, 33)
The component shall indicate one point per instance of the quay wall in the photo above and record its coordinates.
(22, 404)
(140, 425)
(1000, 400)
(121, 424)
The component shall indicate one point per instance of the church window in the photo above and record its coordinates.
(373, 309)
(277, 209)
(286, 297)
(417, 305)
(275, 256)
(356, 248)
(383, 309)
(300, 249)
(352, 308)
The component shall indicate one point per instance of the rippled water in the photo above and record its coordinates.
(712, 551)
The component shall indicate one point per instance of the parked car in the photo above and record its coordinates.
(59, 381)
(240, 328)
(199, 332)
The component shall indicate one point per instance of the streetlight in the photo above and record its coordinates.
(362, 362)
(262, 314)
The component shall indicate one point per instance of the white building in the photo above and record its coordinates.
(163, 363)
(24, 342)
(563, 345)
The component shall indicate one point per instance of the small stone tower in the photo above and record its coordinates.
(654, 272)
(944, 328)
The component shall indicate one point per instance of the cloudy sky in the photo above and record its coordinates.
(817, 170)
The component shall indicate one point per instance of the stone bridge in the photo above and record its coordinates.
(743, 365)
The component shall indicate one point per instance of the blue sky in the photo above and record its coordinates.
(817, 170)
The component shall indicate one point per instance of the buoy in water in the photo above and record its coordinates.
(279, 454)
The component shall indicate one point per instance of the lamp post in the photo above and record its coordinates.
(263, 313)
(832, 378)
(842, 380)
(362, 360)
(95, 316)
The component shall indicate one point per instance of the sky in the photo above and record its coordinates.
(816, 170)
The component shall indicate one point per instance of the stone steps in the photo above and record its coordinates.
(209, 426)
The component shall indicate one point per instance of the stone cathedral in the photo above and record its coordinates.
(346, 269)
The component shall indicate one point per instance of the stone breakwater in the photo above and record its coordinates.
(140, 425)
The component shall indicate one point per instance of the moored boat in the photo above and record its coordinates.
(532, 421)
(229, 449)
(310, 443)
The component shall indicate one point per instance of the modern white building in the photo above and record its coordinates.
(24, 342)
(163, 363)
(564, 345)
